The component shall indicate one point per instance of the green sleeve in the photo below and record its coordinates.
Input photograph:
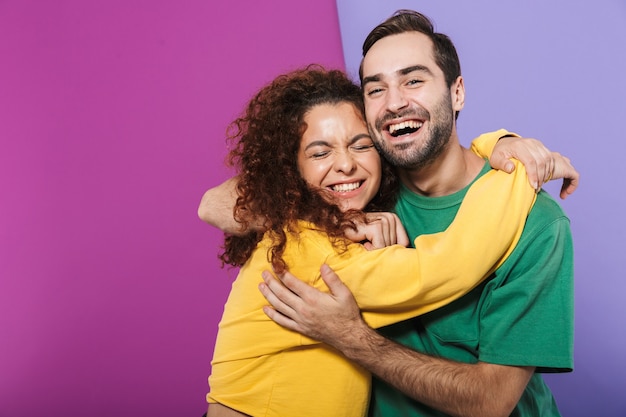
(527, 319)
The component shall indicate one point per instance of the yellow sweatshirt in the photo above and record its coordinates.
(262, 369)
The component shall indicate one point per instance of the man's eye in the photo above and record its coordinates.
(414, 82)
(374, 91)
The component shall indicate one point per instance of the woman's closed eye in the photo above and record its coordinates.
(363, 147)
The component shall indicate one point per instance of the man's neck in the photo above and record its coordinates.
(452, 171)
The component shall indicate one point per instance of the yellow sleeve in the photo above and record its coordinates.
(397, 283)
(484, 144)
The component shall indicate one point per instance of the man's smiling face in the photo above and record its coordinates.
(409, 108)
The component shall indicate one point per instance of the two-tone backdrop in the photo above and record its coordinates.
(112, 121)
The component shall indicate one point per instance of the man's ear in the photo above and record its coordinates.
(457, 93)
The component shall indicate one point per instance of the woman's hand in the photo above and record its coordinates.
(380, 230)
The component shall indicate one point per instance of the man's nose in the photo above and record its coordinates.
(396, 100)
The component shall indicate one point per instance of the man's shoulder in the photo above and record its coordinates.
(546, 215)
(547, 207)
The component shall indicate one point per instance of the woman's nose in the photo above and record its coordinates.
(344, 162)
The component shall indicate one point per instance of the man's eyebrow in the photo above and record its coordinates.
(403, 71)
(371, 79)
(415, 68)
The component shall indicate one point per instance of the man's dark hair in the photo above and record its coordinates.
(402, 21)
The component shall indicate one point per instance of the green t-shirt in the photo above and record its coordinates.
(523, 315)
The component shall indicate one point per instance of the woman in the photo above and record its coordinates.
(309, 167)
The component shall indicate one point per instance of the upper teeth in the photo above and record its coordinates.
(342, 188)
(409, 123)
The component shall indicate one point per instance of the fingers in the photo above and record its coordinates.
(402, 236)
(499, 161)
(277, 294)
(289, 295)
(379, 233)
(294, 289)
(545, 166)
(319, 315)
(563, 168)
(544, 162)
(568, 187)
(376, 231)
(338, 289)
(542, 165)
(536, 158)
(384, 229)
(280, 319)
(335, 285)
(368, 245)
(283, 302)
(389, 228)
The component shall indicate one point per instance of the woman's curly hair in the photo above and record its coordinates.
(266, 139)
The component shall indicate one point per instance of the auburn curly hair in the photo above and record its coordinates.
(265, 142)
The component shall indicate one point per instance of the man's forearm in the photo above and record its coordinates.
(458, 389)
(217, 205)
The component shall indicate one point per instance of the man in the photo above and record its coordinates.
(483, 354)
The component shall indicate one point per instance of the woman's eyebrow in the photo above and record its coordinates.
(360, 136)
(316, 143)
(324, 143)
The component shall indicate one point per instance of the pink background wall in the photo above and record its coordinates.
(112, 119)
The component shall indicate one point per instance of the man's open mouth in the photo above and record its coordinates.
(404, 128)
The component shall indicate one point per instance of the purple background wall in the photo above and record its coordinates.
(112, 117)
(551, 70)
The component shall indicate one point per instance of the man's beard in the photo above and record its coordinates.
(417, 155)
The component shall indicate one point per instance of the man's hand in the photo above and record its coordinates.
(563, 168)
(541, 164)
(334, 319)
(327, 317)
(381, 229)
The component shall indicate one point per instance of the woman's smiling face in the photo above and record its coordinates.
(337, 154)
